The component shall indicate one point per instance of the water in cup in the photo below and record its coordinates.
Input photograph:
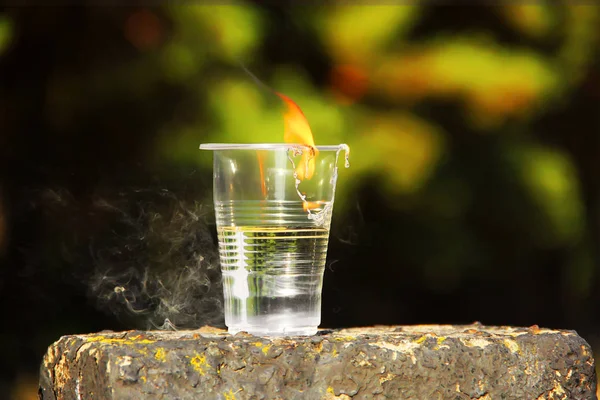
(281, 273)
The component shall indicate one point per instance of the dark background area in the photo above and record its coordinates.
(473, 195)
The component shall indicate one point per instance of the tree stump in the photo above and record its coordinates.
(403, 362)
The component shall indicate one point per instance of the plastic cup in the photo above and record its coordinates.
(273, 206)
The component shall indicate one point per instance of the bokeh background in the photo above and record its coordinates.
(473, 192)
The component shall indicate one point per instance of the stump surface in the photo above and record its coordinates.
(402, 362)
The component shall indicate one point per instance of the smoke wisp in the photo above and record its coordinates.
(155, 262)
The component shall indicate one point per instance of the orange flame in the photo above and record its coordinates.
(297, 130)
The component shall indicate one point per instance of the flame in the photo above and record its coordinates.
(297, 130)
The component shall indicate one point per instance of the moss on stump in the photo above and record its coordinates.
(397, 362)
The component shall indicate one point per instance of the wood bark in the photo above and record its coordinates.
(398, 362)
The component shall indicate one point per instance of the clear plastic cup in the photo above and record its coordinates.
(273, 205)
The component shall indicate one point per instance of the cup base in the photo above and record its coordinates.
(265, 331)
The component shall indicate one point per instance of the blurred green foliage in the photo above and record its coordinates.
(5, 33)
(496, 86)
(551, 180)
(383, 80)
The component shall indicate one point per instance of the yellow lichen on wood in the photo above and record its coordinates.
(143, 350)
(132, 340)
(330, 395)
(344, 338)
(264, 347)
(421, 339)
(440, 341)
(161, 355)
(199, 363)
